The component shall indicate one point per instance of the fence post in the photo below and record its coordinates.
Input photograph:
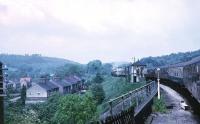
(110, 103)
(131, 97)
(136, 98)
(122, 102)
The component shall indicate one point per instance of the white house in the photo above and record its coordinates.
(41, 91)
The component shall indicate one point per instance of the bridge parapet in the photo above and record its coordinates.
(137, 98)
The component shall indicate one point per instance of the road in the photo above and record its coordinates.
(174, 114)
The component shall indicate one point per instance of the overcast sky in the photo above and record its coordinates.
(109, 30)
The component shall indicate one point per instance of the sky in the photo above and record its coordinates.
(109, 30)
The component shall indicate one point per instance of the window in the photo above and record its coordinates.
(38, 93)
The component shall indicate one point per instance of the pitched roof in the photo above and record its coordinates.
(72, 79)
(138, 63)
(61, 83)
(47, 85)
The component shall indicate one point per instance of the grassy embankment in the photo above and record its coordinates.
(114, 87)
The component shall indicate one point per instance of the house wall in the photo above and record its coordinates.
(36, 92)
(61, 88)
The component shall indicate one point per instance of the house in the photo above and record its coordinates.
(118, 71)
(41, 91)
(14, 85)
(25, 81)
(64, 86)
(76, 83)
(134, 72)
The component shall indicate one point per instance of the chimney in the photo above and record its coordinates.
(56, 78)
(44, 79)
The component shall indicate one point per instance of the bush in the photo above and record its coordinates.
(98, 92)
(159, 105)
(75, 109)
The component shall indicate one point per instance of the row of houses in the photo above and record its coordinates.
(46, 86)
(16, 85)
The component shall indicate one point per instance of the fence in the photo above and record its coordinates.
(137, 98)
(125, 117)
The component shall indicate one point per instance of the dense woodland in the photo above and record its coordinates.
(36, 65)
(169, 59)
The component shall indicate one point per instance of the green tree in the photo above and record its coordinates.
(23, 95)
(75, 109)
(98, 78)
(94, 67)
(17, 114)
(98, 92)
(72, 69)
(47, 110)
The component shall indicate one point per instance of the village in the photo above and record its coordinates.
(40, 90)
(45, 87)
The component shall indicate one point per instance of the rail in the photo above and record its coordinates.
(137, 98)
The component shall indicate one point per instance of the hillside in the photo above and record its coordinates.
(32, 65)
(169, 59)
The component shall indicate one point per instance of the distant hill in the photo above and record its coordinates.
(169, 59)
(32, 65)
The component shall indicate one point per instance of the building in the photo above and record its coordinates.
(64, 86)
(25, 81)
(76, 83)
(41, 91)
(118, 71)
(134, 72)
(12, 85)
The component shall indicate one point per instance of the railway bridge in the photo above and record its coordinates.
(136, 99)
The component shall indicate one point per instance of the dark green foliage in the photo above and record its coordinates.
(98, 79)
(23, 95)
(169, 59)
(47, 110)
(72, 109)
(106, 69)
(73, 69)
(94, 67)
(98, 92)
(32, 65)
(75, 109)
(159, 105)
(16, 114)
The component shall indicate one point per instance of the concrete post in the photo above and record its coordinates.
(158, 69)
(158, 88)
